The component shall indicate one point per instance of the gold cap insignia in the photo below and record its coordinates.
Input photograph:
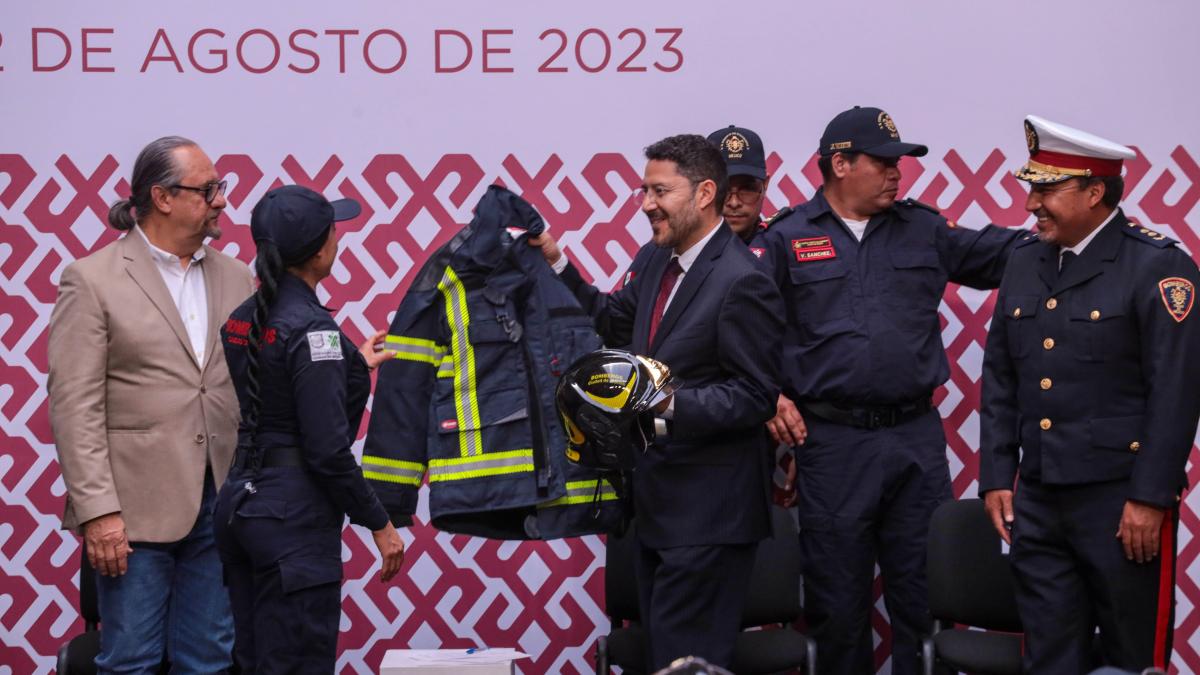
(1031, 137)
(734, 144)
(886, 123)
(1177, 295)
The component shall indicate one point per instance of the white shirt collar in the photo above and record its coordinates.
(1078, 248)
(689, 256)
(165, 257)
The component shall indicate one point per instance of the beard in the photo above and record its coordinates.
(675, 228)
(212, 228)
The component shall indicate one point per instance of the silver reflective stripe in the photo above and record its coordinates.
(491, 464)
(392, 470)
(466, 406)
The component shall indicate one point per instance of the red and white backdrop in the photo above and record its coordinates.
(415, 110)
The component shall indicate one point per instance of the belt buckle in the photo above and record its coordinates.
(877, 418)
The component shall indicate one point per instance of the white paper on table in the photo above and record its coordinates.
(396, 658)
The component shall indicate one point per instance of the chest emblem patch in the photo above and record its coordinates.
(1177, 295)
(814, 248)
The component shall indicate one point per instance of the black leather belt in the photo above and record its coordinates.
(868, 416)
(271, 458)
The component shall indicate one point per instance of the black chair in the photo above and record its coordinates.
(78, 655)
(970, 583)
(773, 603)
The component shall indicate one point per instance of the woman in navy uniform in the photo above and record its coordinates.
(302, 388)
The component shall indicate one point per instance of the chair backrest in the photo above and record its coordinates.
(970, 579)
(620, 576)
(774, 593)
(89, 605)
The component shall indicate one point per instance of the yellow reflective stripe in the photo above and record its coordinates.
(466, 406)
(446, 367)
(583, 492)
(415, 349)
(478, 466)
(392, 470)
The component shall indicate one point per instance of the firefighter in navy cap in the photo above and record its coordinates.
(862, 276)
(1089, 411)
(746, 164)
(302, 388)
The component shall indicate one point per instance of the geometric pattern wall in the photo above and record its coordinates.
(456, 591)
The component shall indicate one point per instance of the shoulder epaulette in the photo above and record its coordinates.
(921, 205)
(1027, 239)
(1147, 235)
(781, 213)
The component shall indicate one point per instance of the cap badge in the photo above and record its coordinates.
(734, 144)
(886, 123)
(1031, 138)
(1177, 295)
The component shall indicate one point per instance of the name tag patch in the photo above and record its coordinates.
(325, 345)
(814, 248)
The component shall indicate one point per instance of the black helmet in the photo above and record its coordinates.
(604, 400)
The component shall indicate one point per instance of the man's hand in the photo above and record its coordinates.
(391, 551)
(107, 544)
(999, 507)
(1139, 531)
(550, 250)
(373, 350)
(787, 426)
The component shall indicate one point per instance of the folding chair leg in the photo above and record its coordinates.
(602, 667)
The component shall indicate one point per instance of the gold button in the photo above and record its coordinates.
(1095, 314)
(1051, 303)
(1046, 383)
(1045, 424)
(1017, 313)
(1048, 343)
(1135, 446)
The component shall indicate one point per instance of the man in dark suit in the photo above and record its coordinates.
(701, 492)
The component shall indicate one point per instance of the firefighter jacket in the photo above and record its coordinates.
(481, 338)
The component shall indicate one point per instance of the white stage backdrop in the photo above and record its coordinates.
(414, 108)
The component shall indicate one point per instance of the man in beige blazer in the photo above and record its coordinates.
(145, 416)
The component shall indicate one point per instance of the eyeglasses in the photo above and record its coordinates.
(658, 191)
(745, 193)
(210, 189)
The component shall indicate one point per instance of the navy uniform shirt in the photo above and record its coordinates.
(862, 317)
(1094, 373)
(314, 385)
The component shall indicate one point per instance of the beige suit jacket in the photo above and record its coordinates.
(135, 419)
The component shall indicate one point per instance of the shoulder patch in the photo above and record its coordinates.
(1148, 235)
(1178, 295)
(325, 345)
(920, 205)
(781, 213)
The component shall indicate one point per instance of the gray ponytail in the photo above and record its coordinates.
(155, 165)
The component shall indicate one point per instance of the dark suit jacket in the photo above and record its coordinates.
(708, 483)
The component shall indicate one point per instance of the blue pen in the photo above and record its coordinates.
(473, 650)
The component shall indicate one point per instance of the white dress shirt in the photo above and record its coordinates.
(186, 287)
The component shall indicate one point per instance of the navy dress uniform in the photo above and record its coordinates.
(862, 357)
(279, 515)
(1090, 395)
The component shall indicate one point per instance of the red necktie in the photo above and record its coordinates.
(670, 276)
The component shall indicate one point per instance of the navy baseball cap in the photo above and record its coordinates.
(868, 130)
(743, 151)
(297, 220)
